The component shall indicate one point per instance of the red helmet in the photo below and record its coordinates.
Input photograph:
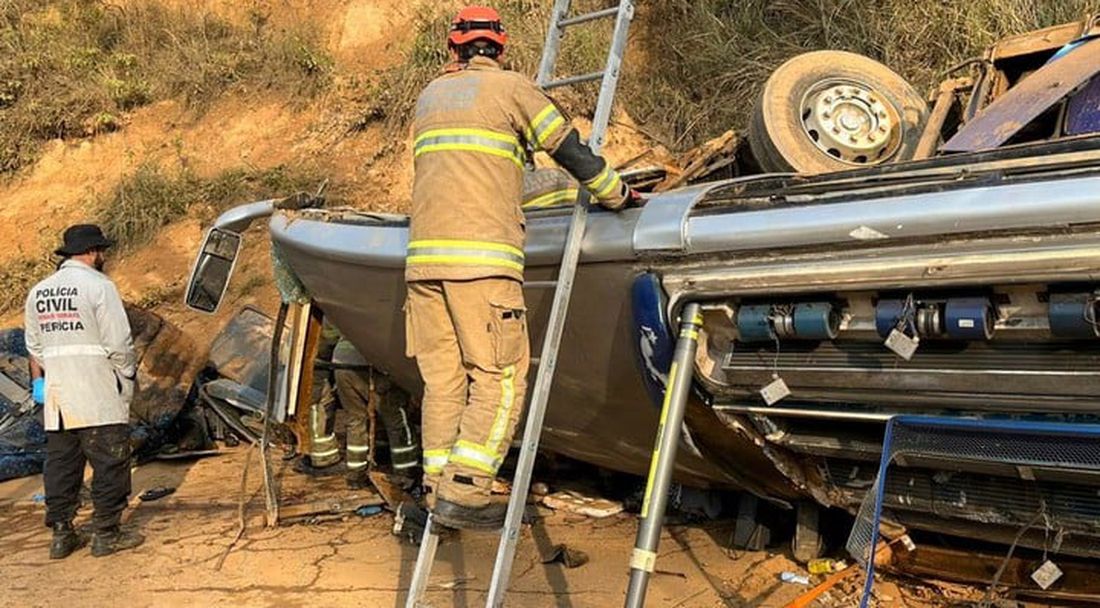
(477, 23)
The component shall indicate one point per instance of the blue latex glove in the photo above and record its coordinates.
(38, 391)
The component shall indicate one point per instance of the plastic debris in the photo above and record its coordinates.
(825, 565)
(794, 578)
(368, 511)
(575, 502)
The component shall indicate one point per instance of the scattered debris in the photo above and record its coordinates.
(804, 600)
(368, 511)
(703, 160)
(575, 502)
(794, 578)
(156, 493)
(825, 565)
(328, 507)
(455, 583)
(567, 556)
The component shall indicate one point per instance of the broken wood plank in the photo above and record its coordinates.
(329, 507)
(703, 160)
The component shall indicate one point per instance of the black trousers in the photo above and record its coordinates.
(107, 448)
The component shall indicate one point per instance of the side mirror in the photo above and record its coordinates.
(212, 271)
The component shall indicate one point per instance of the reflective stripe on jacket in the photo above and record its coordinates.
(470, 135)
(548, 187)
(77, 328)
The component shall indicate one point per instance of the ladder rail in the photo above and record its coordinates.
(552, 46)
(570, 257)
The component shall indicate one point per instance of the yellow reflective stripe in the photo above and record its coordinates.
(461, 260)
(651, 477)
(545, 124)
(690, 333)
(542, 115)
(611, 187)
(434, 460)
(464, 253)
(552, 198)
(459, 244)
(504, 145)
(475, 456)
(484, 133)
(604, 183)
(551, 129)
(456, 147)
(504, 409)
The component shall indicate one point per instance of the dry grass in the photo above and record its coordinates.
(18, 276)
(702, 62)
(74, 67)
(152, 197)
(696, 66)
(393, 92)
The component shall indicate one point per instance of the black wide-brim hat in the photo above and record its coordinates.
(83, 238)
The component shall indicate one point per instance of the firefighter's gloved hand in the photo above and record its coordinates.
(38, 390)
(634, 199)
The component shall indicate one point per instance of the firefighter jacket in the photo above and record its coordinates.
(77, 328)
(471, 131)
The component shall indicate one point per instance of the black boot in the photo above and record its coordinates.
(112, 540)
(454, 515)
(65, 540)
(358, 479)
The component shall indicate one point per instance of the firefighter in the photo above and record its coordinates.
(83, 372)
(356, 385)
(324, 450)
(341, 375)
(465, 315)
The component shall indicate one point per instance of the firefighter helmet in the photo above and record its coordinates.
(477, 23)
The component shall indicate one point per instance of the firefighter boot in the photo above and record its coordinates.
(65, 540)
(113, 540)
(454, 515)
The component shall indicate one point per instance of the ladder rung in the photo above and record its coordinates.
(564, 82)
(540, 284)
(607, 12)
(535, 361)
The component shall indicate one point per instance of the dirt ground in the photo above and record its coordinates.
(356, 561)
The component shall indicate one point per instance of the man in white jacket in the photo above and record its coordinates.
(83, 369)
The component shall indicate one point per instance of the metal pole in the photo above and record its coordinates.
(644, 558)
(423, 569)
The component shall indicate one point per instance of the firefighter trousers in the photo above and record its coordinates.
(354, 390)
(470, 343)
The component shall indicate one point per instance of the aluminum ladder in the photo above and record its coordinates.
(563, 288)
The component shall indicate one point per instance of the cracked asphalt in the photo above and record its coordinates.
(352, 561)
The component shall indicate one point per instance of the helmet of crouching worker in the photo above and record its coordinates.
(477, 30)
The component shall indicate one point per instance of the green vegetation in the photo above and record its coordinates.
(696, 66)
(394, 92)
(703, 61)
(74, 67)
(18, 276)
(151, 197)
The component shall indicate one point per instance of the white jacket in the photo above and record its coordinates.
(77, 329)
